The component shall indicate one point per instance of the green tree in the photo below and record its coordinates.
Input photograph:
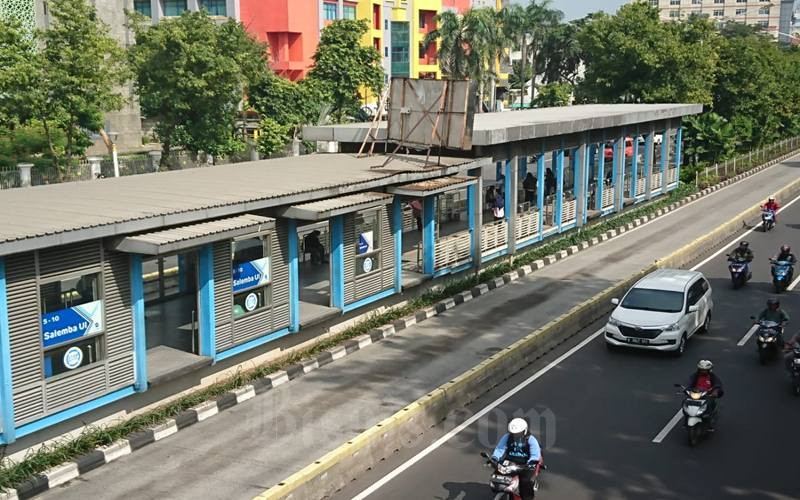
(343, 68)
(273, 136)
(560, 55)
(635, 57)
(708, 138)
(552, 95)
(191, 74)
(65, 78)
(289, 103)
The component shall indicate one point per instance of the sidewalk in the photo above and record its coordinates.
(257, 443)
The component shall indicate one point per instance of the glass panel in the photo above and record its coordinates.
(142, 7)
(329, 11)
(71, 356)
(250, 301)
(349, 12)
(214, 7)
(69, 292)
(173, 7)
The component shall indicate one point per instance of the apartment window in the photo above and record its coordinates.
(741, 1)
(214, 7)
(674, 13)
(71, 314)
(764, 11)
(763, 24)
(251, 271)
(329, 11)
(719, 13)
(173, 7)
(741, 12)
(654, 3)
(697, 2)
(674, 2)
(143, 7)
(368, 242)
(386, 52)
(386, 24)
(719, 2)
(349, 12)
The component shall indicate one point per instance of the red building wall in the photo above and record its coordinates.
(458, 5)
(290, 27)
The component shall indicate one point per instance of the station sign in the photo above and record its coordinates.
(72, 323)
(251, 274)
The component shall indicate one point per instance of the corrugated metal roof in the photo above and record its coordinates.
(181, 238)
(325, 209)
(58, 214)
(432, 186)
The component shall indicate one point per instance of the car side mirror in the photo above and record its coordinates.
(615, 301)
(693, 309)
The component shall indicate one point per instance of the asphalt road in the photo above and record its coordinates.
(248, 448)
(599, 412)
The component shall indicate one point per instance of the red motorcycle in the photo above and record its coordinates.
(505, 478)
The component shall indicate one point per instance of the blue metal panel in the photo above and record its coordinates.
(233, 351)
(678, 152)
(576, 179)
(73, 412)
(586, 168)
(664, 159)
(601, 177)
(472, 193)
(453, 270)
(8, 434)
(139, 332)
(428, 234)
(492, 256)
(337, 261)
(635, 165)
(368, 300)
(648, 163)
(294, 277)
(397, 222)
(206, 302)
(540, 192)
(558, 159)
(615, 175)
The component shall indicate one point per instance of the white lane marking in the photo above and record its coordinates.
(736, 240)
(794, 283)
(672, 423)
(753, 329)
(442, 440)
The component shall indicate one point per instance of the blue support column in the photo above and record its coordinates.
(576, 179)
(664, 159)
(139, 332)
(6, 389)
(615, 172)
(648, 165)
(472, 192)
(620, 157)
(397, 230)
(294, 277)
(678, 151)
(206, 306)
(507, 208)
(540, 192)
(635, 166)
(601, 178)
(337, 261)
(587, 167)
(428, 234)
(559, 163)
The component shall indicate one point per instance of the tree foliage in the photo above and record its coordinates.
(65, 78)
(709, 138)
(191, 74)
(343, 68)
(552, 95)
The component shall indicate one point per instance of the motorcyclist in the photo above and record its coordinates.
(793, 342)
(519, 446)
(704, 379)
(772, 206)
(785, 253)
(742, 252)
(774, 313)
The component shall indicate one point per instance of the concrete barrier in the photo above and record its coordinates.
(338, 467)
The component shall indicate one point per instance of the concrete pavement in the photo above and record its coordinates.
(256, 444)
(600, 412)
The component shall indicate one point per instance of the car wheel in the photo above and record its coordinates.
(681, 346)
(706, 323)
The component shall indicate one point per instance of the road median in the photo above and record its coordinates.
(345, 463)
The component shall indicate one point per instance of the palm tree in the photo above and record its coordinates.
(527, 27)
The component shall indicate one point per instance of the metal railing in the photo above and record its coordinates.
(744, 162)
(452, 250)
(494, 235)
(527, 225)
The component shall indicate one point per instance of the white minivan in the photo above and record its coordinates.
(661, 311)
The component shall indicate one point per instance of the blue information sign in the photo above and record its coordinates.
(72, 323)
(250, 274)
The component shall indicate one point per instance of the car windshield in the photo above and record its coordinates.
(645, 299)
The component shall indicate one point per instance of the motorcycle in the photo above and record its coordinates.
(794, 370)
(782, 272)
(739, 269)
(505, 478)
(699, 413)
(767, 220)
(767, 337)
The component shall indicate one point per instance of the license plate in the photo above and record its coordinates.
(638, 341)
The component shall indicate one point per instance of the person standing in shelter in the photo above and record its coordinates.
(314, 246)
(416, 210)
(499, 206)
(529, 185)
(549, 182)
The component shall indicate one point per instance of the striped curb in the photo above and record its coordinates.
(103, 455)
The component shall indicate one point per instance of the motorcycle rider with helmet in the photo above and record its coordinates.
(704, 379)
(519, 446)
(788, 348)
(742, 252)
(785, 253)
(773, 207)
(774, 313)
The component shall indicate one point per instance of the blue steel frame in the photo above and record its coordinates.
(294, 277)
(540, 193)
(664, 160)
(635, 166)
(337, 261)
(678, 152)
(206, 302)
(428, 235)
(6, 389)
(648, 165)
(558, 159)
(601, 177)
(614, 176)
(139, 332)
(397, 233)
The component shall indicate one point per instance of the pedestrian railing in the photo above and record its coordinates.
(494, 235)
(452, 250)
(744, 162)
(527, 225)
(568, 211)
(608, 197)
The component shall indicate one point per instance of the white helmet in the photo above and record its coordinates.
(705, 364)
(518, 427)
